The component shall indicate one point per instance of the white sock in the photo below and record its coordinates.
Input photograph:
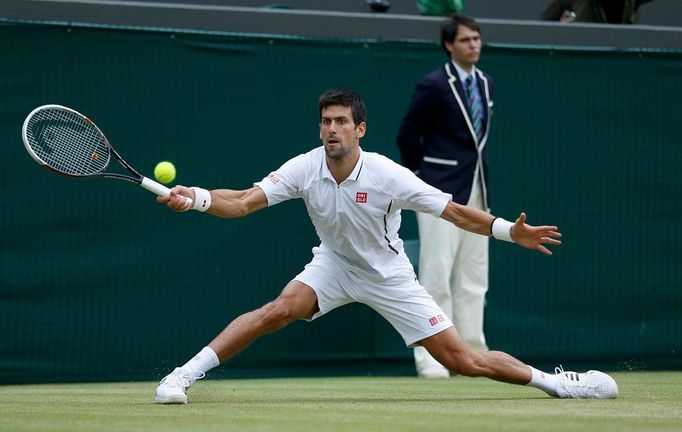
(543, 381)
(204, 361)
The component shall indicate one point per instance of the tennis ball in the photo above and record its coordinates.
(164, 172)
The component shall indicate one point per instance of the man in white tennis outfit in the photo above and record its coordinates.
(354, 199)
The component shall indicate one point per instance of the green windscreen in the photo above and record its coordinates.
(98, 282)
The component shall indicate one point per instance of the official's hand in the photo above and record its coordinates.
(533, 237)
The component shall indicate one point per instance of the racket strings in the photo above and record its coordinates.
(67, 142)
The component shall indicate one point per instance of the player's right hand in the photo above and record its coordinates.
(177, 200)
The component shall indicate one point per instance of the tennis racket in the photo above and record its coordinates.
(69, 143)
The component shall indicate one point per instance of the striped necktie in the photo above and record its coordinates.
(475, 106)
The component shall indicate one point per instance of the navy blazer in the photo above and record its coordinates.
(437, 139)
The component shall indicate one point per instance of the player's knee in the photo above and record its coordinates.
(276, 315)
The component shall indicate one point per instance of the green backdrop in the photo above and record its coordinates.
(98, 282)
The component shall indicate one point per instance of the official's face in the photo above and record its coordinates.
(465, 50)
(338, 131)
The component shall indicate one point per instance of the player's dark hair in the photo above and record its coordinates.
(450, 27)
(346, 98)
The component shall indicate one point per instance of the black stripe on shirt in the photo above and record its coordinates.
(359, 171)
(386, 228)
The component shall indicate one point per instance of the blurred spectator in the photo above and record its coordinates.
(440, 7)
(595, 11)
(379, 5)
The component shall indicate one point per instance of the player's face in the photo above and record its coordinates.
(465, 50)
(338, 132)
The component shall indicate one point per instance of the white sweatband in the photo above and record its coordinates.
(202, 199)
(501, 229)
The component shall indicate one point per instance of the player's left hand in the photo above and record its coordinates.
(535, 237)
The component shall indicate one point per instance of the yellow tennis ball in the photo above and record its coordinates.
(164, 172)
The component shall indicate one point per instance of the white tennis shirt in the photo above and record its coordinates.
(359, 218)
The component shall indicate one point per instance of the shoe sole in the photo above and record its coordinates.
(171, 400)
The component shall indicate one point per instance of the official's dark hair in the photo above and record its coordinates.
(450, 27)
(346, 98)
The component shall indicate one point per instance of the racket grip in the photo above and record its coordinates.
(158, 188)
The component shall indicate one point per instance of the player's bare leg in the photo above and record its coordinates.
(450, 350)
(296, 301)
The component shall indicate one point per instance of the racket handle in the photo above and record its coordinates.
(157, 188)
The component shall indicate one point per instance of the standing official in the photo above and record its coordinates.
(443, 139)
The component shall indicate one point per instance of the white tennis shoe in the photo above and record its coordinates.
(589, 385)
(173, 388)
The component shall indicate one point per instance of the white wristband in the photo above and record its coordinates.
(501, 229)
(202, 199)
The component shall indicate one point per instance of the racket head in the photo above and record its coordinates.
(65, 141)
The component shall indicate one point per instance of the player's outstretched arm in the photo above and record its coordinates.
(232, 204)
(225, 203)
(480, 222)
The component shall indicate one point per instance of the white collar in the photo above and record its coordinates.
(461, 73)
(354, 175)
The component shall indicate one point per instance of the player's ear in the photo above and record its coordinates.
(361, 129)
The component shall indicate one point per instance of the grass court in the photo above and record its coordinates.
(649, 401)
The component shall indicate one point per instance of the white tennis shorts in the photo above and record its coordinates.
(401, 300)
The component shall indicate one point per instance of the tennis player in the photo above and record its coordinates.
(354, 199)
